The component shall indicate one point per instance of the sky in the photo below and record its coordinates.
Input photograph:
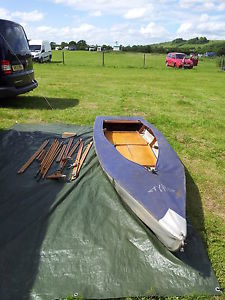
(130, 22)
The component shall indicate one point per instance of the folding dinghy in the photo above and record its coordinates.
(147, 174)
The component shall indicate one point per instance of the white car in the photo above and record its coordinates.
(40, 50)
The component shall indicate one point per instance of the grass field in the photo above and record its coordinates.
(188, 106)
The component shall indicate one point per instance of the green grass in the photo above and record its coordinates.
(188, 106)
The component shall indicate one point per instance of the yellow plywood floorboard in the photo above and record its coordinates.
(125, 137)
(139, 154)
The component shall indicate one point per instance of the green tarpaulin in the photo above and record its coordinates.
(58, 238)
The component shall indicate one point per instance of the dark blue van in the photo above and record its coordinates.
(16, 68)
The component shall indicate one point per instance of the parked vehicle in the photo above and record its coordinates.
(178, 60)
(210, 54)
(194, 58)
(72, 48)
(16, 68)
(40, 50)
(92, 48)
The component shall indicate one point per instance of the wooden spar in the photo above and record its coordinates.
(40, 154)
(74, 148)
(84, 156)
(77, 160)
(58, 174)
(66, 152)
(68, 147)
(61, 153)
(33, 157)
(48, 154)
(75, 175)
(46, 159)
(52, 158)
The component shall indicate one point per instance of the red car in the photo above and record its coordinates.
(178, 60)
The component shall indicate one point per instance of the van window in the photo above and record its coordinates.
(14, 38)
(35, 48)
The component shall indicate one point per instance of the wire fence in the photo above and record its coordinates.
(103, 59)
(222, 63)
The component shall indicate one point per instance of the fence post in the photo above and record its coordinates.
(103, 58)
(63, 57)
(144, 61)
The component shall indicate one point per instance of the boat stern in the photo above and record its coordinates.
(176, 228)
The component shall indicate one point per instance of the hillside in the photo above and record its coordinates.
(193, 45)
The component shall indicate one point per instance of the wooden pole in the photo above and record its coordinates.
(63, 57)
(144, 61)
(103, 58)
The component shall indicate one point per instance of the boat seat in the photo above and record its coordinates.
(140, 154)
(125, 137)
(132, 146)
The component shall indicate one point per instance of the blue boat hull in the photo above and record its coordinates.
(158, 198)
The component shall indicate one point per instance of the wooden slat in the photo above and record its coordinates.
(125, 137)
(142, 155)
(122, 122)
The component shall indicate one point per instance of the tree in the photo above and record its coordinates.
(64, 44)
(106, 47)
(72, 43)
(53, 45)
(82, 45)
(203, 40)
(178, 41)
(221, 51)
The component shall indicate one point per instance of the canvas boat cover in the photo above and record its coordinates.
(61, 238)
